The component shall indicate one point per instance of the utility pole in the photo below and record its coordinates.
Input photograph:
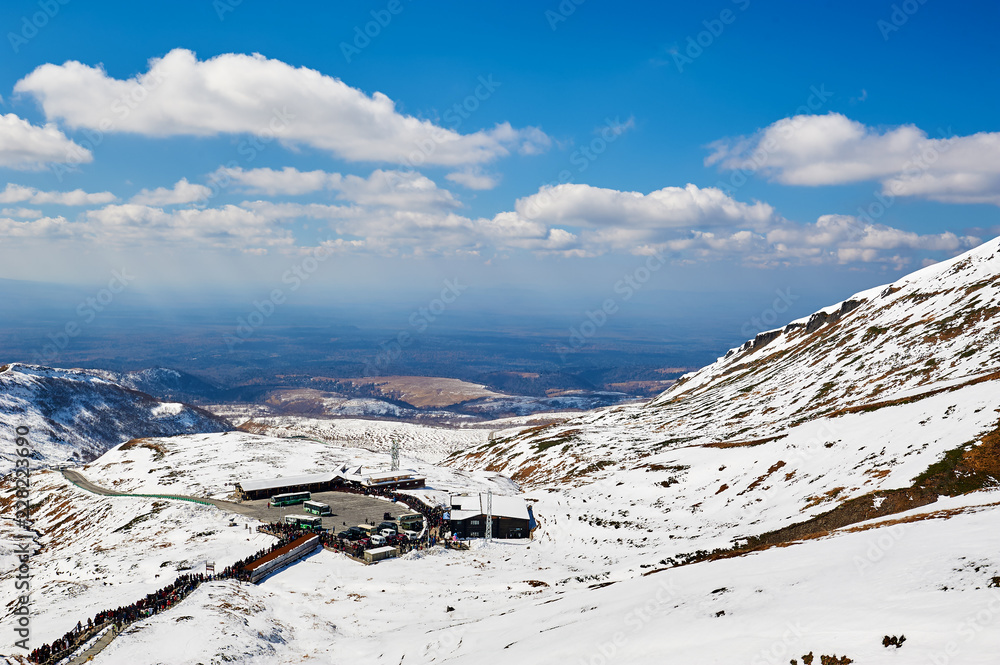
(489, 516)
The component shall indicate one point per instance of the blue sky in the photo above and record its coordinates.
(742, 142)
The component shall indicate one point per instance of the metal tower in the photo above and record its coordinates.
(395, 455)
(489, 516)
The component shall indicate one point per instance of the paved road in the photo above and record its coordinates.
(348, 509)
(80, 481)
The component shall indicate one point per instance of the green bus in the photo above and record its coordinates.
(289, 499)
(412, 522)
(305, 521)
(317, 508)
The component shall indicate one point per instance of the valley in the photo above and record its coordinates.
(819, 490)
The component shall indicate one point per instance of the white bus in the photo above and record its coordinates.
(317, 508)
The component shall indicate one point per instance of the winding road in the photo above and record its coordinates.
(80, 481)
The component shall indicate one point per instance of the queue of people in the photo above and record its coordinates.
(173, 593)
(153, 603)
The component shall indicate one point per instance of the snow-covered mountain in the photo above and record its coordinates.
(74, 415)
(860, 398)
(162, 383)
(826, 486)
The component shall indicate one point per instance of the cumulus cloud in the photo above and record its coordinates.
(21, 213)
(235, 93)
(18, 193)
(394, 213)
(852, 239)
(832, 149)
(403, 190)
(225, 227)
(27, 147)
(182, 192)
(288, 181)
(474, 178)
(670, 207)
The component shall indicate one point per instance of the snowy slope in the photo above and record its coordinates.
(74, 415)
(936, 329)
(430, 444)
(102, 552)
(208, 465)
(927, 577)
(861, 447)
(161, 382)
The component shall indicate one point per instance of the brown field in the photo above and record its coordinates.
(426, 391)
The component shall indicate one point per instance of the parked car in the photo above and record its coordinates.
(388, 525)
(377, 540)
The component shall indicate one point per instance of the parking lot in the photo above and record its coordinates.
(348, 510)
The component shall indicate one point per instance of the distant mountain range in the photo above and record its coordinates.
(76, 415)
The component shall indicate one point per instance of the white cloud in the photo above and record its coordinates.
(227, 227)
(861, 240)
(288, 181)
(27, 147)
(392, 213)
(234, 93)
(18, 193)
(832, 149)
(474, 178)
(182, 192)
(584, 205)
(402, 190)
(21, 213)
(45, 227)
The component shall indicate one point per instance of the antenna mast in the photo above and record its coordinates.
(489, 516)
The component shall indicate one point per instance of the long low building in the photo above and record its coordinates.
(265, 488)
(372, 479)
(393, 480)
(512, 516)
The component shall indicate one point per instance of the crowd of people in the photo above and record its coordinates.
(433, 515)
(153, 603)
(173, 593)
